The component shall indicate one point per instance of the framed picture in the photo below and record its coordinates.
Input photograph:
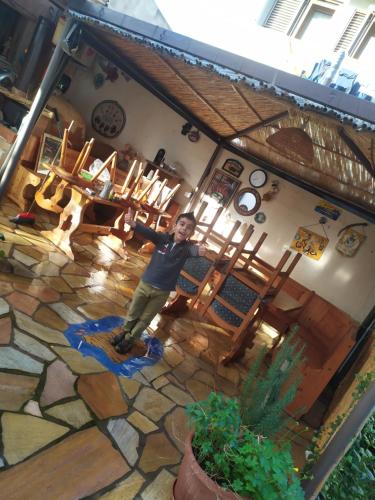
(222, 187)
(49, 151)
(234, 167)
(349, 242)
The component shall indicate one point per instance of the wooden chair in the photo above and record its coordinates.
(198, 271)
(64, 178)
(153, 210)
(237, 300)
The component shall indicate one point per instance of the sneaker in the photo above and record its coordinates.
(125, 345)
(117, 338)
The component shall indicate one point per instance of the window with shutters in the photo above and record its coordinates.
(351, 31)
(313, 24)
(282, 14)
(299, 17)
(363, 47)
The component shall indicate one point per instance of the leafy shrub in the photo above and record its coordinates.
(236, 458)
(264, 398)
(354, 476)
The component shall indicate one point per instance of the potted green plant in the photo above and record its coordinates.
(230, 454)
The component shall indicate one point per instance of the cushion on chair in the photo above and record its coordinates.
(197, 267)
(238, 295)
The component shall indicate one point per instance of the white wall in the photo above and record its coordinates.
(347, 282)
(150, 125)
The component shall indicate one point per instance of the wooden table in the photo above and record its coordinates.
(89, 214)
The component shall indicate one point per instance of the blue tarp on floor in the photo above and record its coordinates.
(76, 333)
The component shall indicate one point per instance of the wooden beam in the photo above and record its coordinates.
(125, 64)
(246, 101)
(265, 122)
(357, 151)
(194, 91)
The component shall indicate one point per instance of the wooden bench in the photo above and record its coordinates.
(327, 334)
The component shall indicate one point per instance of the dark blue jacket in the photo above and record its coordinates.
(166, 262)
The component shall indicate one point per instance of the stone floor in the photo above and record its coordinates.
(70, 428)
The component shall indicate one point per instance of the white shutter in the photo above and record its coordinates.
(282, 14)
(351, 31)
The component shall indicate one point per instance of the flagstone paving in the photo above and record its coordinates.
(70, 428)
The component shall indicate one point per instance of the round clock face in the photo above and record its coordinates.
(258, 178)
(108, 118)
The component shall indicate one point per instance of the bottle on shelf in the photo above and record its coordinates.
(160, 156)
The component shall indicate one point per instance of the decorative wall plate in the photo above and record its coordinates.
(258, 178)
(260, 217)
(194, 136)
(108, 118)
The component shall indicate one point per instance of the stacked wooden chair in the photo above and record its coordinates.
(237, 301)
(153, 202)
(60, 178)
(197, 272)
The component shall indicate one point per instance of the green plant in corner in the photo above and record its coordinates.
(354, 476)
(238, 459)
(264, 397)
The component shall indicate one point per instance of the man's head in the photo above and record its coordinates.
(184, 228)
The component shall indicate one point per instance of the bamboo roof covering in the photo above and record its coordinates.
(242, 111)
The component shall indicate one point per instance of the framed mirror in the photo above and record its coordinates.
(247, 201)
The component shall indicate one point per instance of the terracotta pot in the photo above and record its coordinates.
(193, 483)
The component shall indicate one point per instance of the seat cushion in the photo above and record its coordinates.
(236, 294)
(197, 267)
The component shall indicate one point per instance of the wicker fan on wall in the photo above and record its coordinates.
(293, 142)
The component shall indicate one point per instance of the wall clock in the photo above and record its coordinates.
(108, 118)
(258, 178)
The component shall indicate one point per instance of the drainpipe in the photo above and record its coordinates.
(340, 443)
(54, 70)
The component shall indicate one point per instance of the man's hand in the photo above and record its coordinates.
(201, 250)
(129, 218)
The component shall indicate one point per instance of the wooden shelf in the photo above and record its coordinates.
(173, 179)
(22, 100)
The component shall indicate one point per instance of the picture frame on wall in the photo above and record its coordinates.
(233, 167)
(222, 187)
(49, 152)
